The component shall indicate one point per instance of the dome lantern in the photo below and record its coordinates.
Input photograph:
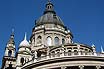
(49, 8)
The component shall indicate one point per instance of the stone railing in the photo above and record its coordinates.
(61, 55)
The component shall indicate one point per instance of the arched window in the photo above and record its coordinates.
(9, 53)
(81, 52)
(69, 53)
(58, 53)
(56, 41)
(63, 41)
(39, 53)
(75, 52)
(53, 54)
(39, 40)
(22, 60)
(49, 41)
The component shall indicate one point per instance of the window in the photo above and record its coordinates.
(49, 41)
(39, 40)
(75, 52)
(53, 54)
(39, 53)
(22, 61)
(9, 53)
(56, 41)
(69, 53)
(48, 7)
(63, 41)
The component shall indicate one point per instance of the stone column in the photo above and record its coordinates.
(62, 51)
(35, 54)
(81, 67)
(63, 67)
(72, 52)
(48, 52)
(98, 67)
(78, 46)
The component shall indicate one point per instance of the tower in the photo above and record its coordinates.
(23, 54)
(9, 56)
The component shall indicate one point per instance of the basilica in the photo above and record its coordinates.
(51, 46)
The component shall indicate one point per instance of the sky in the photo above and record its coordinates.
(85, 18)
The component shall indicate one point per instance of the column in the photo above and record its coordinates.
(78, 46)
(63, 67)
(98, 67)
(72, 51)
(62, 51)
(48, 52)
(35, 54)
(81, 67)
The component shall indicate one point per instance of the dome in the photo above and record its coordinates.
(24, 42)
(49, 16)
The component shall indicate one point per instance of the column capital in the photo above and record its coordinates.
(81, 66)
(98, 67)
(63, 67)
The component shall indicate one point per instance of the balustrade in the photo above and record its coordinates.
(63, 54)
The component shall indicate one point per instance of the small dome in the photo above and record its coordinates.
(24, 42)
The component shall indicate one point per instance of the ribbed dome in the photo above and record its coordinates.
(49, 16)
(24, 42)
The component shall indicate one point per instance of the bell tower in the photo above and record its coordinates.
(10, 49)
(9, 56)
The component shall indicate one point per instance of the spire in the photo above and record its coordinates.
(49, 7)
(102, 51)
(11, 40)
(25, 38)
(24, 42)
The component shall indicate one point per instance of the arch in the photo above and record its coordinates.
(39, 39)
(86, 52)
(53, 53)
(56, 41)
(39, 53)
(75, 52)
(81, 52)
(22, 60)
(69, 52)
(10, 66)
(58, 52)
(63, 41)
(9, 53)
(48, 7)
(49, 41)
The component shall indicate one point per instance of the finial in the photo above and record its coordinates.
(49, 0)
(102, 51)
(93, 45)
(25, 36)
(12, 30)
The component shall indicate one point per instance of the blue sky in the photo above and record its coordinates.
(85, 18)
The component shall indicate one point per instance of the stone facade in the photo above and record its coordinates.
(51, 46)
